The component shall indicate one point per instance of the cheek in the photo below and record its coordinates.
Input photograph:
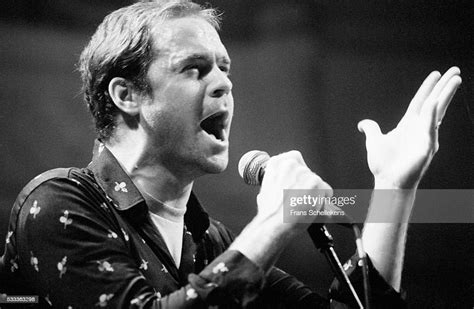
(167, 124)
(178, 102)
(186, 96)
(165, 131)
(176, 108)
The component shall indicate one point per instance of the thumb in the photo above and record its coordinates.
(370, 128)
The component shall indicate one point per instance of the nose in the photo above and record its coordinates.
(220, 83)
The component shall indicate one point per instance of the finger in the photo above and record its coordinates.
(446, 96)
(433, 97)
(433, 125)
(284, 169)
(431, 118)
(296, 155)
(370, 128)
(441, 104)
(423, 92)
(279, 168)
(293, 156)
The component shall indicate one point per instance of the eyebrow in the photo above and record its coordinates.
(205, 56)
(224, 59)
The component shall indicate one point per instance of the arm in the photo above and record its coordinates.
(398, 160)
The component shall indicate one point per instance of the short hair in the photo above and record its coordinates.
(122, 46)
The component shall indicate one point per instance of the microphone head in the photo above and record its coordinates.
(250, 166)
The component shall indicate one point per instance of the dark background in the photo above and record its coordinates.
(304, 74)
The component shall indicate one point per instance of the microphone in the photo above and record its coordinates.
(252, 167)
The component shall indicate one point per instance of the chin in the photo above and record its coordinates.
(216, 165)
(216, 168)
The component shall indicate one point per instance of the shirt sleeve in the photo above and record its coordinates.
(283, 290)
(382, 294)
(73, 254)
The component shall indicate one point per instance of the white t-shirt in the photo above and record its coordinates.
(172, 232)
(170, 223)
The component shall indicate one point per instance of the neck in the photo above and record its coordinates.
(159, 208)
(159, 185)
(152, 178)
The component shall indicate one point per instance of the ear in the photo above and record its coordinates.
(124, 95)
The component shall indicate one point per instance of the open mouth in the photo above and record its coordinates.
(215, 125)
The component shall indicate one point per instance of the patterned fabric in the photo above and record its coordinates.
(82, 238)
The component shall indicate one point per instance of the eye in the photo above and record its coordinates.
(225, 69)
(191, 67)
(199, 69)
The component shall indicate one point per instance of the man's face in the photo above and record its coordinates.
(187, 117)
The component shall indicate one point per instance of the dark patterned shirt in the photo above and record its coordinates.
(83, 238)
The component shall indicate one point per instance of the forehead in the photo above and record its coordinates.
(181, 37)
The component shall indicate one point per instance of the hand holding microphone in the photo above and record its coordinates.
(267, 235)
(284, 171)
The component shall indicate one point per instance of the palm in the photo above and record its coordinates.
(401, 156)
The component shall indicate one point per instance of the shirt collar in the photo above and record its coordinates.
(118, 186)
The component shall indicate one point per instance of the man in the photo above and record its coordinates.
(127, 231)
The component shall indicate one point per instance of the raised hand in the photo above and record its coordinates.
(399, 158)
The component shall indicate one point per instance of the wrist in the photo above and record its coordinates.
(274, 226)
(392, 184)
(391, 203)
(263, 239)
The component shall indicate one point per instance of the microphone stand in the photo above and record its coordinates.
(324, 242)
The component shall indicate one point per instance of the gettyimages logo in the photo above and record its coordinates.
(321, 200)
(323, 206)
(307, 206)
